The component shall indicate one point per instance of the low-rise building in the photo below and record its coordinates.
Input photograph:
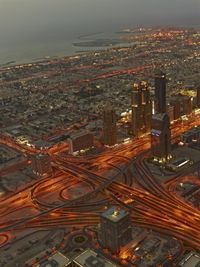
(90, 258)
(191, 136)
(190, 260)
(57, 260)
(80, 141)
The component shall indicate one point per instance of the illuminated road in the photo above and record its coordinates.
(106, 178)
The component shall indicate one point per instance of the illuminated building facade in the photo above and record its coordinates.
(160, 92)
(161, 137)
(109, 126)
(41, 165)
(141, 109)
(115, 229)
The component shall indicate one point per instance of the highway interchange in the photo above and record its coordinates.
(103, 179)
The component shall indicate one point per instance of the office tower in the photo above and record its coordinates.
(187, 105)
(170, 112)
(160, 92)
(109, 126)
(177, 108)
(161, 137)
(182, 105)
(80, 141)
(141, 109)
(198, 97)
(146, 107)
(41, 165)
(136, 99)
(115, 229)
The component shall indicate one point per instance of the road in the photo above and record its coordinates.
(106, 179)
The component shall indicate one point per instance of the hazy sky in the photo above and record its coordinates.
(34, 18)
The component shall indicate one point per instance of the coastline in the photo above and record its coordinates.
(69, 48)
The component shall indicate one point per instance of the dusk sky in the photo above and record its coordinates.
(15, 14)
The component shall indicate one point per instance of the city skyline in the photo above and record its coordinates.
(99, 133)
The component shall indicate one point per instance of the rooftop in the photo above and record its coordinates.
(192, 131)
(57, 260)
(190, 260)
(114, 214)
(40, 156)
(159, 116)
(78, 134)
(90, 258)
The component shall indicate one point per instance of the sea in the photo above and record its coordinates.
(31, 30)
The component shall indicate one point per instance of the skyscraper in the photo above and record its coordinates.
(141, 109)
(182, 105)
(160, 92)
(146, 107)
(170, 112)
(109, 126)
(115, 229)
(136, 99)
(198, 96)
(161, 137)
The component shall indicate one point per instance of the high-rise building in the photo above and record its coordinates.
(141, 109)
(136, 99)
(160, 92)
(115, 229)
(161, 137)
(109, 126)
(170, 112)
(41, 165)
(182, 105)
(177, 109)
(146, 107)
(187, 105)
(198, 97)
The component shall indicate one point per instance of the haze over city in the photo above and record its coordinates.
(32, 28)
(99, 133)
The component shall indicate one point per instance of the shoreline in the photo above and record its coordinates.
(72, 51)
